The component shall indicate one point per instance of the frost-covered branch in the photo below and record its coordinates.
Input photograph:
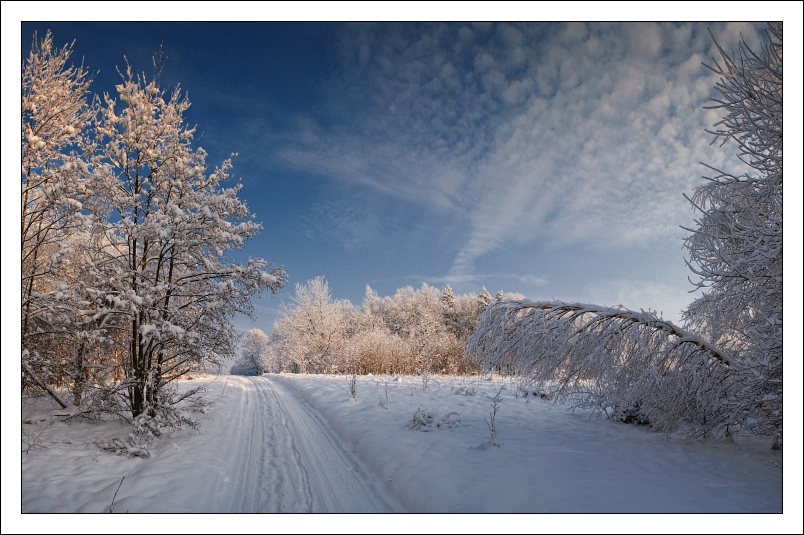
(35, 378)
(613, 359)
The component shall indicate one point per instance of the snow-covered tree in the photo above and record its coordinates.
(638, 366)
(254, 354)
(451, 316)
(312, 332)
(55, 114)
(399, 334)
(736, 249)
(161, 271)
(625, 363)
(483, 300)
(427, 336)
(447, 297)
(508, 296)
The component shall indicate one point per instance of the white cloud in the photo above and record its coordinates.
(581, 134)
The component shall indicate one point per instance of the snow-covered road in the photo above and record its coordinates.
(291, 461)
(260, 450)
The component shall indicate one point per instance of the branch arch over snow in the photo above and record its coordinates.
(608, 357)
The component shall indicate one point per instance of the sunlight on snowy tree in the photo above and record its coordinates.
(311, 334)
(162, 273)
(413, 332)
(447, 297)
(636, 366)
(55, 114)
(484, 299)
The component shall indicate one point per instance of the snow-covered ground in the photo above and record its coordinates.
(295, 443)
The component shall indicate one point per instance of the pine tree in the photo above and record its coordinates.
(447, 297)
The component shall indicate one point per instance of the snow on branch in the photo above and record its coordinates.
(36, 379)
(633, 364)
(598, 324)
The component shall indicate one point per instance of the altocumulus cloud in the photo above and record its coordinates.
(581, 134)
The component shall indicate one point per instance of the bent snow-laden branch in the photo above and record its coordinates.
(36, 379)
(621, 318)
(614, 359)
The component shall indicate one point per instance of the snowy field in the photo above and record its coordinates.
(300, 443)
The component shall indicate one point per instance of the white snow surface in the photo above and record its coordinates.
(283, 443)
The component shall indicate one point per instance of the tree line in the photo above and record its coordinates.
(415, 332)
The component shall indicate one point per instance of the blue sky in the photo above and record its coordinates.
(547, 159)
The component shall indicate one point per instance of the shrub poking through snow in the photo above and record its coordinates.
(120, 447)
(467, 389)
(353, 384)
(493, 440)
(429, 421)
(424, 373)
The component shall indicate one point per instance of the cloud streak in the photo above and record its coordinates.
(576, 134)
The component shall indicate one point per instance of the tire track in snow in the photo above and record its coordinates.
(248, 456)
(266, 467)
(335, 480)
(286, 459)
(285, 488)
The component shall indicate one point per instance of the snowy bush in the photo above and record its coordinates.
(466, 389)
(164, 417)
(126, 446)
